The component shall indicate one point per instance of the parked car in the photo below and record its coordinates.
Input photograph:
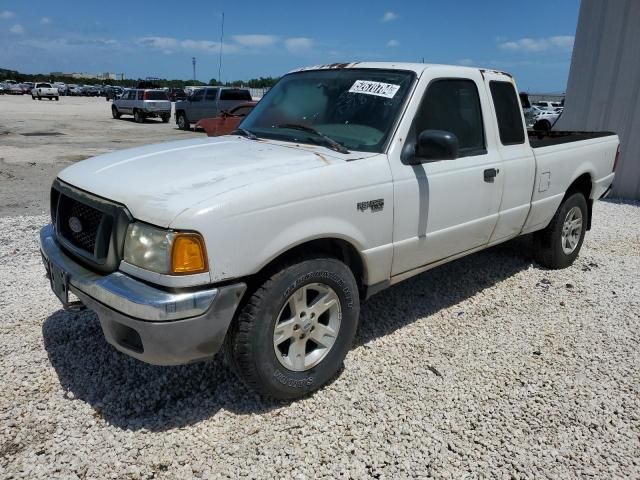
(62, 88)
(113, 92)
(74, 90)
(176, 94)
(44, 90)
(142, 104)
(208, 102)
(547, 105)
(27, 87)
(226, 122)
(345, 179)
(546, 119)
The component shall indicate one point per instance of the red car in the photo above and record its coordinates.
(226, 122)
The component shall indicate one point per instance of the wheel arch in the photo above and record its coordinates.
(338, 248)
(583, 184)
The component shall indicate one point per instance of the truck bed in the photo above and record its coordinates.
(539, 139)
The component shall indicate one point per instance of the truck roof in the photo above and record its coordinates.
(418, 68)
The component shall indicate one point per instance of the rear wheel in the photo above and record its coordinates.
(295, 330)
(558, 245)
(32, 97)
(165, 118)
(57, 99)
(39, 97)
(114, 112)
(183, 123)
(138, 116)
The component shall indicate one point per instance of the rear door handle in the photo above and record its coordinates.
(490, 174)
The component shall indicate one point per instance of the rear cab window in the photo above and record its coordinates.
(508, 114)
(235, 94)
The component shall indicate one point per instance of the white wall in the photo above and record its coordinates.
(603, 92)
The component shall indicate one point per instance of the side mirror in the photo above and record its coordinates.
(436, 145)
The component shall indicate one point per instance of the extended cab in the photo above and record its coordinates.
(343, 180)
(44, 90)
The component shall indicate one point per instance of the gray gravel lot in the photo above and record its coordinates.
(486, 367)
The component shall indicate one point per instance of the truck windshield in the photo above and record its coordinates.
(355, 107)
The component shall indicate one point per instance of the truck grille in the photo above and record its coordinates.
(79, 223)
(90, 228)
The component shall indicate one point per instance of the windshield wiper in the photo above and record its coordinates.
(244, 132)
(328, 140)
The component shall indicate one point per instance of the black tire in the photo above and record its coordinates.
(548, 243)
(57, 99)
(165, 118)
(32, 97)
(249, 345)
(39, 97)
(182, 122)
(138, 116)
(114, 112)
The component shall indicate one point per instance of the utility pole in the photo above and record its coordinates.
(220, 59)
(193, 61)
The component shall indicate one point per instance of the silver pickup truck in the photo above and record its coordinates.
(208, 102)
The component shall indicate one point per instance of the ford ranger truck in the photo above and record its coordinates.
(343, 180)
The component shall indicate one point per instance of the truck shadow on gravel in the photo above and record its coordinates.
(130, 394)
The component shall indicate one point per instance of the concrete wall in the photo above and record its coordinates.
(603, 92)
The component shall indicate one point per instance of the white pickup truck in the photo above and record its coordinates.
(344, 179)
(44, 90)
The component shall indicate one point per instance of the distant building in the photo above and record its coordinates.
(97, 76)
(603, 92)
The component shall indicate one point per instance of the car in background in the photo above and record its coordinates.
(74, 90)
(44, 90)
(27, 87)
(545, 120)
(142, 104)
(176, 94)
(208, 102)
(62, 87)
(545, 104)
(112, 92)
(227, 121)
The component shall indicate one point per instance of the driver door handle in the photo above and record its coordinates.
(490, 174)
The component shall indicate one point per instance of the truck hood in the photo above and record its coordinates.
(158, 182)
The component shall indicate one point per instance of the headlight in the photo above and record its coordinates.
(164, 251)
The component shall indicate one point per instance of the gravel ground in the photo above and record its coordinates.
(486, 367)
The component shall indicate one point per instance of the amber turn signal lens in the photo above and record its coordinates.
(188, 254)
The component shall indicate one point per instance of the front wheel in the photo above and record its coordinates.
(165, 118)
(558, 245)
(295, 330)
(114, 112)
(57, 99)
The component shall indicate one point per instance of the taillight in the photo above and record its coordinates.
(145, 96)
(615, 162)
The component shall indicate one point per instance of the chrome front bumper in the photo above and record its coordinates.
(154, 325)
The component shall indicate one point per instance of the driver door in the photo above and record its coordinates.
(445, 207)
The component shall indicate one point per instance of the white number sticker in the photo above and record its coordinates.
(379, 89)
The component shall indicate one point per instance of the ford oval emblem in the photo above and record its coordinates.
(75, 224)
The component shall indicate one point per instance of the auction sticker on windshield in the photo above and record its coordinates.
(379, 89)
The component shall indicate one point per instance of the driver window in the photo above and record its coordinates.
(197, 95)
(453, 105)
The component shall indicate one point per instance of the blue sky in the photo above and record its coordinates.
(532, 40)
